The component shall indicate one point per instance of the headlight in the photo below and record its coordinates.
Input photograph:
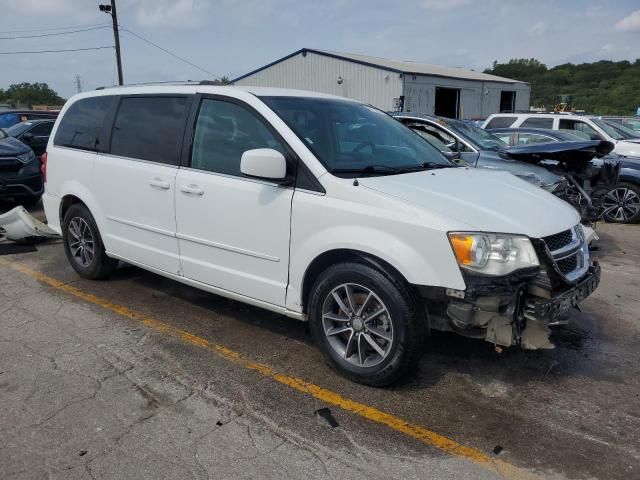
(27, 157)
(493, 253)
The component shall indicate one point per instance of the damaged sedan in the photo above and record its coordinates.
(566, 168)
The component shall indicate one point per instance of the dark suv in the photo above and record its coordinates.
(34, 133)
(20, 175)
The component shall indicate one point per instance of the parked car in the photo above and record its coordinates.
(20, 176)
(316, 207)
(34, 133)
(626, 132)
(9, 118)
(630, 122)
(621, 201)
(560, 169)
(594, 127)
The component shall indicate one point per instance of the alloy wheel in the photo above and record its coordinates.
(621, 204)
(357, 325)
(81, 242)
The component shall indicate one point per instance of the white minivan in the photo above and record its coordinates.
(317, 207)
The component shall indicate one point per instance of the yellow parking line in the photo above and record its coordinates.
(422, 434)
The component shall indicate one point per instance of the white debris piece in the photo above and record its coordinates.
(18, 225)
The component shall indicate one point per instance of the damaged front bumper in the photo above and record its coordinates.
(518, 309)
(19, 226)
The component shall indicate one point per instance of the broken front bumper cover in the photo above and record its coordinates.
(18, 226)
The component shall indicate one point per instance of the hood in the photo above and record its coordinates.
(575, 155)
(479, 200)
(534, 174)
(12, 146)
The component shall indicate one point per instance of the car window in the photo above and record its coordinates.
(536, 122)
(41, 129)
(81, 124)
(223, 132)
(348, 137)
(18, 129)
(501, 122)
(149, 128)
(530, 138)
(432, 137)
(579, 126)
(504, 137)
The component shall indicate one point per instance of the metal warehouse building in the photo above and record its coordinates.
(393, 84)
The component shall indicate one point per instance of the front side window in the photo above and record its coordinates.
(349, 138)
(223, 132)
(150, 128)
(538, 122)
(41, 129)
(82, 123)
(579, 126)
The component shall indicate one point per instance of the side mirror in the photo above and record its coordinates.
(27, 138)
(453, 156)
(264, 163)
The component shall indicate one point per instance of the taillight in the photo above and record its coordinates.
(43, 167)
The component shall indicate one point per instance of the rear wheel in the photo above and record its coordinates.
(621, 204)
(83, 244)
(367, 323)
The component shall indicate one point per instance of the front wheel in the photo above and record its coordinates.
(367, 323)
(621, 204)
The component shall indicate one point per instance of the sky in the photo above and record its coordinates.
(232, 37)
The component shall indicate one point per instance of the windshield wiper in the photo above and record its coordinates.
(369, 169)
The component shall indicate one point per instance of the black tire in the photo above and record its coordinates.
(624, 213)
(406, 316)
(100, 265)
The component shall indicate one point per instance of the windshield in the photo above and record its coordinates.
(626, 132)
(482, 138)
(18, 128)
(608, 129)
(351, 138)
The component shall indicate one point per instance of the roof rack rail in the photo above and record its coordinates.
(168, 82)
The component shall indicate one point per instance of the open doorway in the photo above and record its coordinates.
(507, 101)
(447, 102)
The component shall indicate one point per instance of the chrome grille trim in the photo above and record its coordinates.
(577, 248)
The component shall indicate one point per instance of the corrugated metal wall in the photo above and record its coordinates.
(476, 97)
(320, 73)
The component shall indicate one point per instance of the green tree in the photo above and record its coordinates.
(30, 94)
(602, 87)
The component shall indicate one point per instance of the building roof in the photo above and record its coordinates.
(399, 66)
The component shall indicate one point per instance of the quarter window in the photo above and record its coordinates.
(223, 132)
(536, 122)
(501, 122)
(150, 128)
(81, 124)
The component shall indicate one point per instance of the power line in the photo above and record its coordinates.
(54, 28)
(57, 51)
(170, 53)
(53, 34)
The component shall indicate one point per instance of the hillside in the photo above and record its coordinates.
(604, 87)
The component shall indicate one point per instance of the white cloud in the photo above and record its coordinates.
(629, 23)
(170, 13)
(76, 10)
(444, 4)
(538, 28)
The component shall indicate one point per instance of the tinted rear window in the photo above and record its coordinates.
(81, 125)
(150, 128)
(534, 122)
(500, 122)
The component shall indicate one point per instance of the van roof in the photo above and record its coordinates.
(206, 88)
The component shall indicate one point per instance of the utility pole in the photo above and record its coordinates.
(111, 10)
(78, 81)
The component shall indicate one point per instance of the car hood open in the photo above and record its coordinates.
(575, 155)
(480, 200)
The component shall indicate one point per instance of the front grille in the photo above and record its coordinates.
(569, 264)
(558, 240)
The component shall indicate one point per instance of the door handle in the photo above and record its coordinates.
(192, 189)
(158, 183)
